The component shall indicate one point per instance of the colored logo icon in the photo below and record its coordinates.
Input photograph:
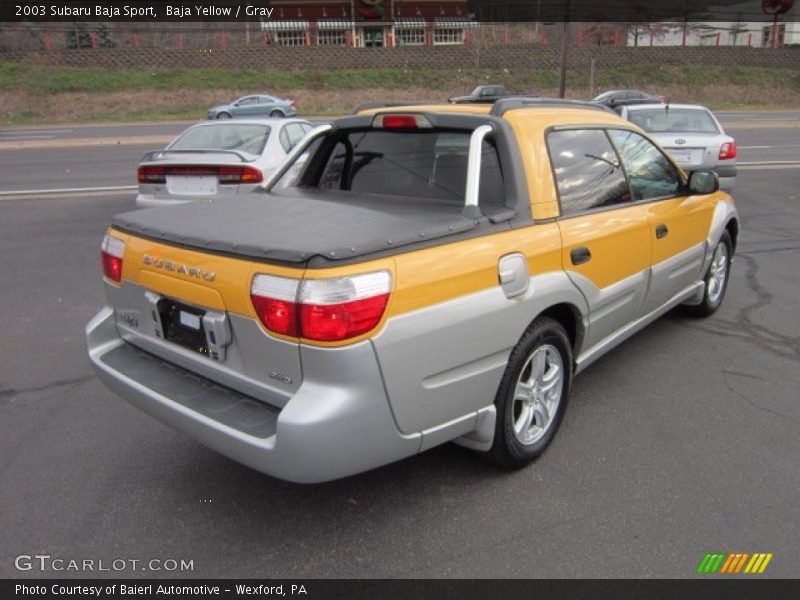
(736, 563)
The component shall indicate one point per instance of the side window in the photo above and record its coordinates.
(651, 174)
(587, 170)
(285, 141)
(296, 134)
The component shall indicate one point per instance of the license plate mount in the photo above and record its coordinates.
(183, 325)
(192, 184)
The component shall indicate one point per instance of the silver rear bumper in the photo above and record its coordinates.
(336, 424)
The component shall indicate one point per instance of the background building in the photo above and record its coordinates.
(369, 23)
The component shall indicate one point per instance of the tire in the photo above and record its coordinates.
(715, 282)
(534, 390)
(276, 114)
(223, 115)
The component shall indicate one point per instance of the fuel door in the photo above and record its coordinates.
(513, 274)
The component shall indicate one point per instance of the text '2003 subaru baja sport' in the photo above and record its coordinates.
(413, 275)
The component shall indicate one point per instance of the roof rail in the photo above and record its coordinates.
(382, 104)
(500, 107)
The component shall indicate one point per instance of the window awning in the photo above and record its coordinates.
(410, 23)
(455, 22)
(334, 24)
(281, 25)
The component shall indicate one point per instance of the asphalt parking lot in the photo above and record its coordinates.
(682, 441)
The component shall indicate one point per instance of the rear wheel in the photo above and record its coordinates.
(276, 114)
(715, 283)
(223, 115)
(533, 394)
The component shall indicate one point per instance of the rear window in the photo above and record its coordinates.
(686, 120)
(241, 137)
(419, 164)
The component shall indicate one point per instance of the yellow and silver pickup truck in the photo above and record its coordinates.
(413, 275)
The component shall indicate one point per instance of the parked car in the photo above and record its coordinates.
(486, 94)
(429, 274)
(255, 106)
(615, 98)
(209, 160)
(691, 134)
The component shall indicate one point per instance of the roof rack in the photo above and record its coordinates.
(382, 104)
(500, 107)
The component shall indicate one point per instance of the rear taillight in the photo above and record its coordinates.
(232, 175)
(275, 301)
(727, 151)
(111, 253)
(325, 310)
(293, 105)
(150, 174)
(225, 175)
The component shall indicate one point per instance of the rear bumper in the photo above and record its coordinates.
(151, 201)
(727, 176)
(336, 424)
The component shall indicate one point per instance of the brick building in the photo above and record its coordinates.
(369, 23)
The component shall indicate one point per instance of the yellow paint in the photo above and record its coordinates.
(618, 239)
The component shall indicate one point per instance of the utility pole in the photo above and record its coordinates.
(562, 81)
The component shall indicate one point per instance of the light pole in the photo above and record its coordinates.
(562, 80)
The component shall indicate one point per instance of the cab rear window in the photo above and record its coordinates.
(429, 164)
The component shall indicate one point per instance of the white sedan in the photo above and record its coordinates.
(217, 158)
(691, 134)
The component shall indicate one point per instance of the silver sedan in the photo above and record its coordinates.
(216, 158)
(691, 134)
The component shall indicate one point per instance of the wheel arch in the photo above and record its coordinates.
(569, 317)
(732, 227)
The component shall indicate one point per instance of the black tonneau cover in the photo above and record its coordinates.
(320, 228)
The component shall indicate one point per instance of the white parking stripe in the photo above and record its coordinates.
(16, 131)
(27, 137)
(768, 162)
(766, 147)
(117, 188)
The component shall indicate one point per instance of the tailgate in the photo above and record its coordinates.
(194, 309)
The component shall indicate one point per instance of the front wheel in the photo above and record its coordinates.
(533, 394)
(715, 283)
(223, 115)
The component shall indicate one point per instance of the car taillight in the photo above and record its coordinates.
(293, 105)
(231, 175)
(727, 150)
(326, 310)
(275, 301)
(150, 174)
(111, 253)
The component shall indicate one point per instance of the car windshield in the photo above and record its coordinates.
(242, 137)
(685, 120)
(604, 96)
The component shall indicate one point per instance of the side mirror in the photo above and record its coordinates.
(703, 182)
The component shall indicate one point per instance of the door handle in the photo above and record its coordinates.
(661, 231)
(580, 255)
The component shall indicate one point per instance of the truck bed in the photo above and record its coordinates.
(318, 228)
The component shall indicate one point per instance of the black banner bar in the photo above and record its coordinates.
(707, 588)
(542, 11)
